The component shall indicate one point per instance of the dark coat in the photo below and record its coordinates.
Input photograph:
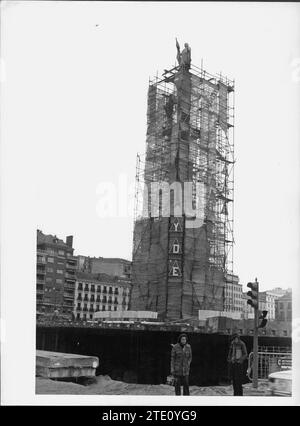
(237, 352)
(181, 358)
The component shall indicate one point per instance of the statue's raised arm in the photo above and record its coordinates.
(184, 58)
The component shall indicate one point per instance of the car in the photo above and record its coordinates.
(280, 383)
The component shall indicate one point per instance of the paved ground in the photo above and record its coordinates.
(104, 385)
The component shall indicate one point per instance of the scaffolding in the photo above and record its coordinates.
(190, 121)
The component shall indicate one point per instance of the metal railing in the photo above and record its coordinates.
(273, 358)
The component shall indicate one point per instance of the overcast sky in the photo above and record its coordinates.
(75, 96)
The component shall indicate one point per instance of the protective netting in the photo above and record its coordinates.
(179, 264)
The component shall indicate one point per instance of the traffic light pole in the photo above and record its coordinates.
(255, 350)
(254, 302)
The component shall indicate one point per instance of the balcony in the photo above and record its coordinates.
(41, 261)
(71, 266)
(39, 281)
(68, 296)
(70, 276)
(68, 286)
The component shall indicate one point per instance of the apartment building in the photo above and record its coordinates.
(55, 276)
(99, 292)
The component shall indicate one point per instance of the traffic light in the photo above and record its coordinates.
(253, 294)
(263, 319)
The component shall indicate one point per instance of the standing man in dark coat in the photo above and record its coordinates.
(236, 356)
(181, 358)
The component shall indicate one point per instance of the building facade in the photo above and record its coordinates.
(99, 292)
(267, 302)
(233, 292)
(283, 307)
(278, 291)
(55, 276)
(105, 265)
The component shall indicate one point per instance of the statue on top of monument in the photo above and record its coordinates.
(184, 58)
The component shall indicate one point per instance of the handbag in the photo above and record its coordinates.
(171, 380)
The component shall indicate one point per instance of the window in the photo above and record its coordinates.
(104, 289)
(61, 252)
(97, 307)
(91, 316)
(50, 259)
(98, 288)
(80, 286)
(78, 305)
(110, 290)
(49, 280)
(78, 316)
(109, 308)
(50, 251)
(59, 271)
(59, 281)
(92, 287)
(49, 269)
(103, 308)
(115, 308)
(285, 332)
